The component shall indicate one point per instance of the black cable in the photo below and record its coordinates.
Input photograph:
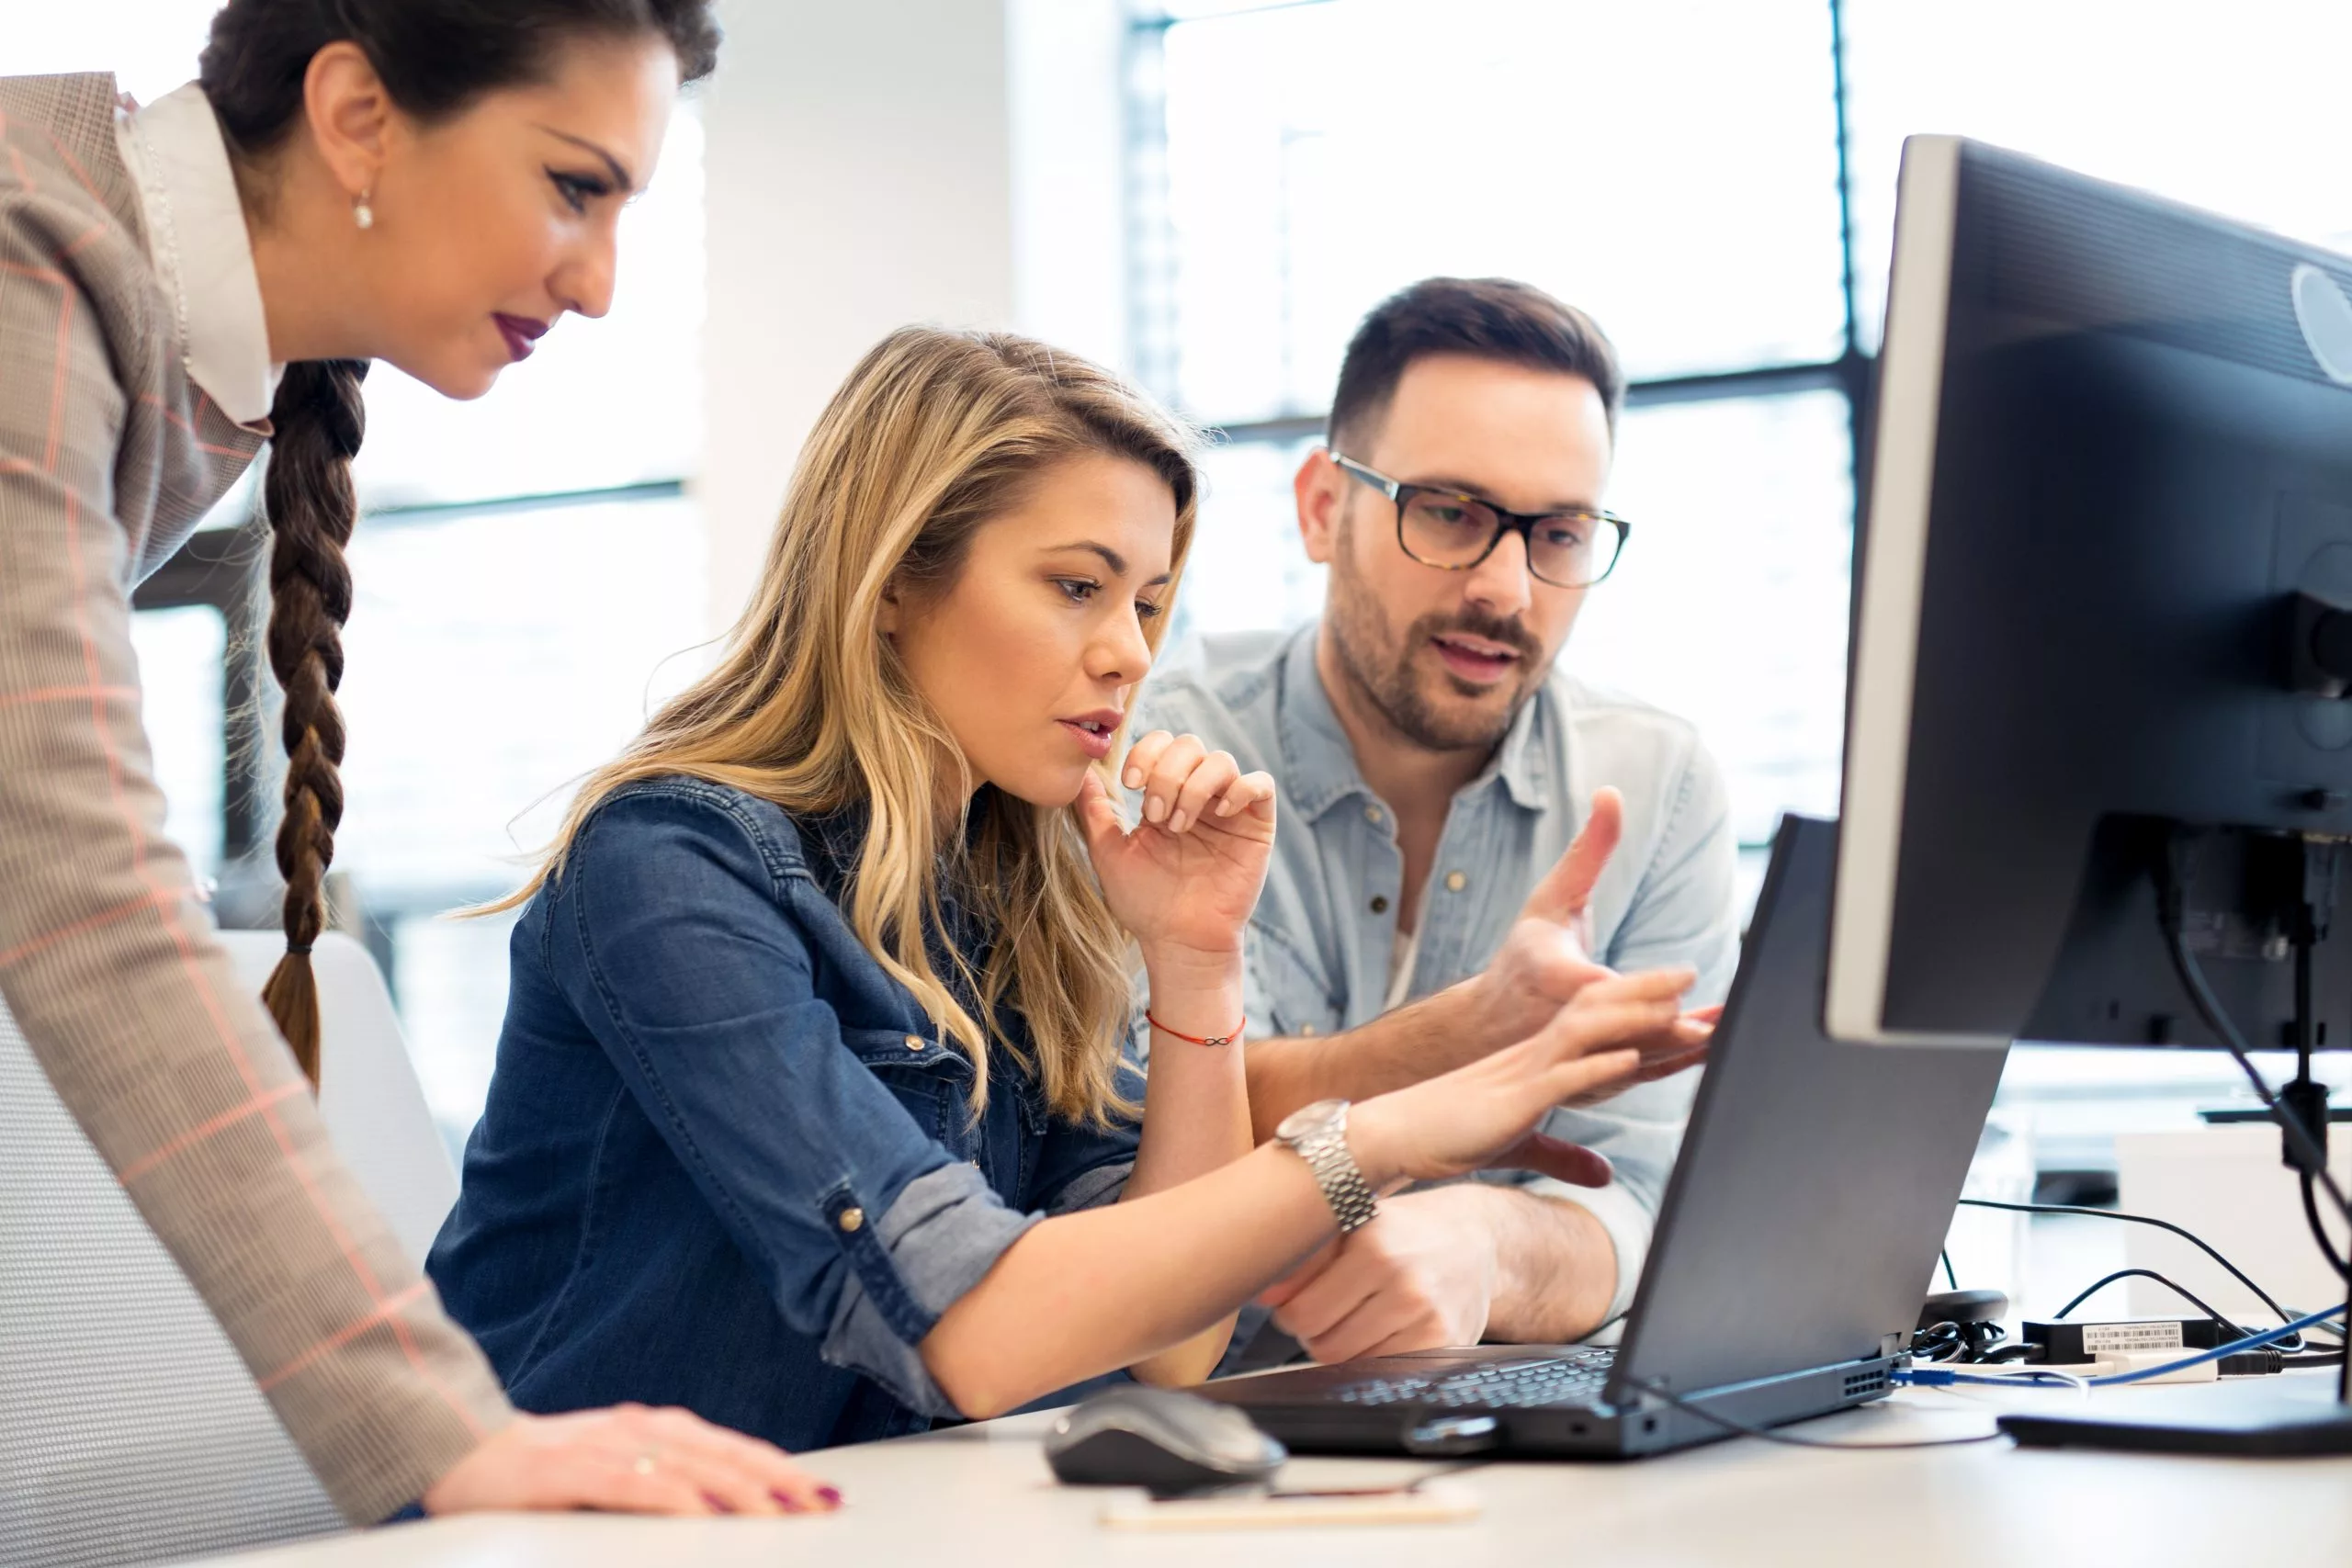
(1956, 1342)
(1456, 1468)
(2190, 1237)
(2336, 1259)
(1745, 1430)
(1938, 1342)
(2309, 1154)
(2310, 1150)
(2232, 1329)
(1949, 1278)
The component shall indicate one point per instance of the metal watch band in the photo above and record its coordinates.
(1334, 1164)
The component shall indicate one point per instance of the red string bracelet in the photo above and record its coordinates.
(1197, 1040)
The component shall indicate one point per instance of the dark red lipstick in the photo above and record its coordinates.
(520, 332)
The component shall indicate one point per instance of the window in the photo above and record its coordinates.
(494, 660)
(1317, 157)
(1320, 156)
(2238, 109)
(1677, 169)
(1730, 607)
(1246, 568)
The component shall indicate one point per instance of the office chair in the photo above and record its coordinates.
(130, 1431)
(368, 1093)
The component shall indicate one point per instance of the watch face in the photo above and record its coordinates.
(1309, 1120)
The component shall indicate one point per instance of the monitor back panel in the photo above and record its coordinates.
(2137, 458)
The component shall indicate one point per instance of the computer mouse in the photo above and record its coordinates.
(1169, 1442)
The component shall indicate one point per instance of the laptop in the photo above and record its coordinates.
(1794, 1245)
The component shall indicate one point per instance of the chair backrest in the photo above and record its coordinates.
(368, 1094)
(130, 1431)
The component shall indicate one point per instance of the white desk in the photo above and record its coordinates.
(981, 1497)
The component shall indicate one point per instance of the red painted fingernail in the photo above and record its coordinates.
(830, 1495)
(719, 1504)
(784, 1500)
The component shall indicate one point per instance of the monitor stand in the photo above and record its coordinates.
(2292, 1415)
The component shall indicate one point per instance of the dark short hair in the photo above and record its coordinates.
(1484, 318)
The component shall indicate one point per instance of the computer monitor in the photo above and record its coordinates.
(2109, 516)
(2099, 751)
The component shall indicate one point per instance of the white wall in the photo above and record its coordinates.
(860, 177)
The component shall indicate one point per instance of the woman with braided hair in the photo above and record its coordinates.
(430, 182)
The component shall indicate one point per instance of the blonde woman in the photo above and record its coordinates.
(809, 1113)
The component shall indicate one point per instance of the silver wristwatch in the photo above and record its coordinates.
(1317, 1133)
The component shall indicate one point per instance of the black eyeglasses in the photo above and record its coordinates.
(1454, 532)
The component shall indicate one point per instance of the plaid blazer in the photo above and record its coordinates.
(109, 456)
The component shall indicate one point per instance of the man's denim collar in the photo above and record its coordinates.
(1321, 765)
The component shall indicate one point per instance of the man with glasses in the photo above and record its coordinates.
(1467, 832)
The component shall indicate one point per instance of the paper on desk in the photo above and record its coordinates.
(1437, 1502)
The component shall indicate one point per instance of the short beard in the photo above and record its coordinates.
(1379, 666)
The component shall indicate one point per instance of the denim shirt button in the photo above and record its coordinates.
(1373, 815)
(1380, 904)
(852, 1220)
(914, 1042)
(1455, 882)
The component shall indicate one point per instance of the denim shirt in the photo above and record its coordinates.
(1320, 943)
(727, 1163)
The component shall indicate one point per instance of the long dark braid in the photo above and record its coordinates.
(435, 58)
(318, 421)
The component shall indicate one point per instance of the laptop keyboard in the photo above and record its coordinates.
(1578, 1378)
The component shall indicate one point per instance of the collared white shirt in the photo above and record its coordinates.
(203, 254)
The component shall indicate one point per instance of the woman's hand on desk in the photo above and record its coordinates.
(630, 1460)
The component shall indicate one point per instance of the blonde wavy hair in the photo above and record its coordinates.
(934, 434)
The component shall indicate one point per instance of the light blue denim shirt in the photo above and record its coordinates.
(1321, 943)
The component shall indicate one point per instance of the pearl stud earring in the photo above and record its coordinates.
(361, 213)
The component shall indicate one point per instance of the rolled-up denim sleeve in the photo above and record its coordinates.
(672, 938)
(945, 1231)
